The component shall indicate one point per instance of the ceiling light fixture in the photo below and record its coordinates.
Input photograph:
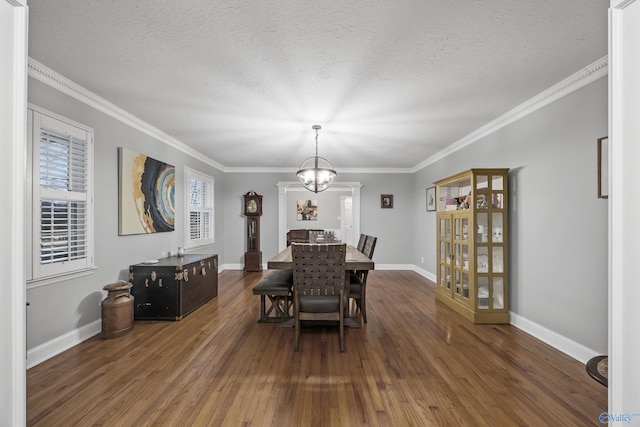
(316, 173)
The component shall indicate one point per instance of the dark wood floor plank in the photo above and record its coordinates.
(416, 362)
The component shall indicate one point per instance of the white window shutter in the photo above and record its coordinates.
(200, 210)
(61, 197)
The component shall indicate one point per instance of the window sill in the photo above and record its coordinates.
(51, 280)
(194, 245)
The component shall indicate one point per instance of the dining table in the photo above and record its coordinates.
(354, 260)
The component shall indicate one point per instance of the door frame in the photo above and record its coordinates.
(624, 229)
(13, 126)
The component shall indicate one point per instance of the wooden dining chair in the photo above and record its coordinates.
(358, 279)
(318, 285)
(361, 242)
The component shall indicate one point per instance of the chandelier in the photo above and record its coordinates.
(316, 173)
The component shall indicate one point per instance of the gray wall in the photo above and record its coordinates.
(391, 226)
(558, 226)
(61, 307)
(237, 184)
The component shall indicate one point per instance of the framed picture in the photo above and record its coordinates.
(146, 194)
(307, 210)
(603, 167)
(386, 201)
(431, 199)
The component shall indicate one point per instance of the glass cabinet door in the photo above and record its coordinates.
(445, 228)
(445, 252)
(498, 293)
(497, 227)
(462, 284)
(445, 255)
(497, 192)
(483, 292)
(445, 276)
(461, 229)
(482, 227)
(490, 242)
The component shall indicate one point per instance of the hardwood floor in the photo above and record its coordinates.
(415, 362)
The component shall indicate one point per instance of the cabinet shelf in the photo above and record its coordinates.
(472, 244)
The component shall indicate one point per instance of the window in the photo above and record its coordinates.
(61, 236)
(200, 209)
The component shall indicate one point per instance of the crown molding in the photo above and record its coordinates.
(293, 170)
(585, 76)
(336, 186)
(49, 77)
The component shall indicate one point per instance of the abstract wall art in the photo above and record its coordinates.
(307, 210)
(146, 194)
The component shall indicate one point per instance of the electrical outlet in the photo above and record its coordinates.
(422, 260)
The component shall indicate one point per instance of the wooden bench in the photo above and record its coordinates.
(276, 286)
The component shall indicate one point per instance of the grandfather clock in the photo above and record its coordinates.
(253, 211)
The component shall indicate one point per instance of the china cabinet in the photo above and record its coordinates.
(472, 244)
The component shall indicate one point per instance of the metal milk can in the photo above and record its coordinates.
(117, 310)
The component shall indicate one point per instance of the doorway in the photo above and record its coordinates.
(346, 219)
(289, 190)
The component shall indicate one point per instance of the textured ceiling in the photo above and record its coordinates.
(391, 82)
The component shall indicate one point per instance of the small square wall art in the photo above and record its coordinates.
(307, 210)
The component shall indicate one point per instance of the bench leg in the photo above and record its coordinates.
(280, 312)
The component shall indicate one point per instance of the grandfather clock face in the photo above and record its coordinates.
(252, 204)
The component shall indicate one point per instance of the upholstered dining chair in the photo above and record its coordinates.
(318, 285)
(358, 279)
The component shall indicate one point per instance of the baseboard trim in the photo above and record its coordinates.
(561, 343)
(425, 273)
(555, 340)
(62, 343)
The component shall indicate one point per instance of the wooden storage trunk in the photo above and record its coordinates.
(174, 286)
